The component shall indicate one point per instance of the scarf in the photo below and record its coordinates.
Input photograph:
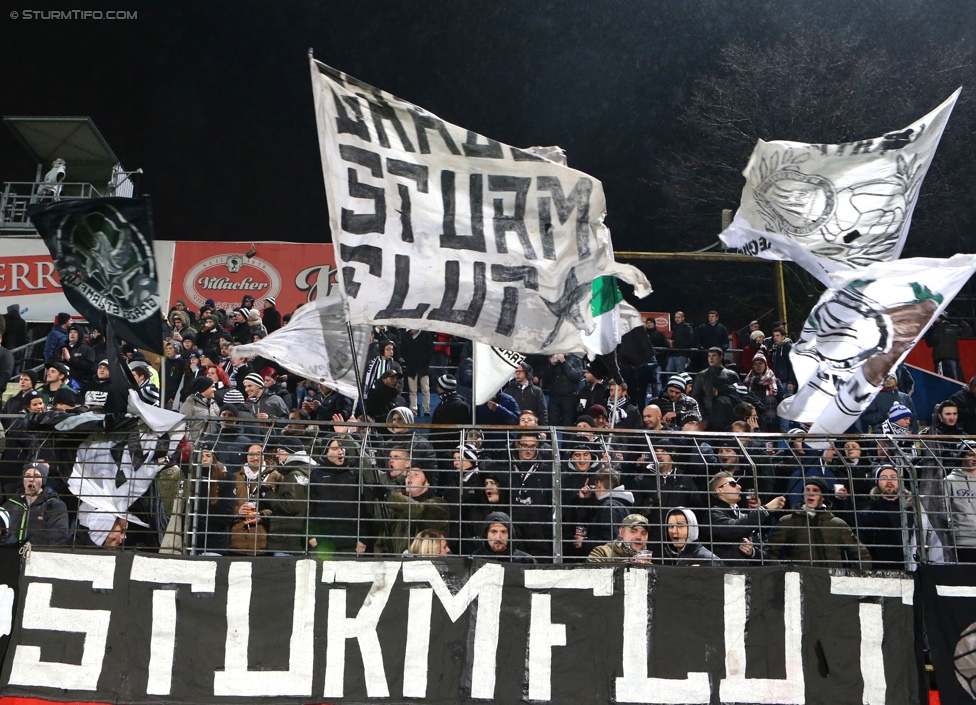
(767, 379)
(617, 413)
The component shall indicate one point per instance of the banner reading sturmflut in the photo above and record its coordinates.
(103, 251)
(861, 328)
(443, 229)
(832, 207)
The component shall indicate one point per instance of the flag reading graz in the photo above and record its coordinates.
(102, 250)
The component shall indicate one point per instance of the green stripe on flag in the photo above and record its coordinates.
(606, 295)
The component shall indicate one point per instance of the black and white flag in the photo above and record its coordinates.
(862, 327)
(443, 229)
(833, 207)
(103, 252)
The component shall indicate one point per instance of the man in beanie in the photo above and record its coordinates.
(272, 317)
(64, 399)
(384, 396)
(58, 337)
(900, 421)
(37, 516)
(18, 402)
(200, 407)
(873, 418)
(79, 358)
(240, 330)
(96, 393)
(260, 402)
(593, 391)
(674, 403)
(452, 409)
(888, 522)
(812, 535)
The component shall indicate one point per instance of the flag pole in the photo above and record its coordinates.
(355, 363)
(474, 382)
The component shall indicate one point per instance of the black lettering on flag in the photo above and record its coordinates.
(361, 223)
(425, 121)
(545, 228)
(515, 223)
(452, 284)
(344, 123)
(449, 238)
(417, 173)
(526, 274)
(381, 110)
(473, 148)
(579, 198)
(369, 255)
(862, 147)
(520, 155)
(401, 286)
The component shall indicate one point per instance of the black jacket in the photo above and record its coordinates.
(44, 523)
(511, 554)
(562, 378)
(335, 508)
(15, 334)
(416, 353)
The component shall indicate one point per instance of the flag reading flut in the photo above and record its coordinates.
(443, 229)
(834, 207)
(103, 252)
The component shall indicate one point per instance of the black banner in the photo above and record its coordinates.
(103, 251)
(948, 598)
(9, 593)
(151, 629)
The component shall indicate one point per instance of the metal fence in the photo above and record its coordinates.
(245, 487)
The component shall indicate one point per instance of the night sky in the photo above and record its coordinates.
(213, 100)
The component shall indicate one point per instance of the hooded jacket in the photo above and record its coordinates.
(609, 511)
(43, 523)
(15, 334)
(961, 493)
(816, 537)
(289, 504)
(511, 553)
(334, 506)
(691, 553)
(886, 526)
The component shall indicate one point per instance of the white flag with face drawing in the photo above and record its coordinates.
(862, 327)
(833, 207)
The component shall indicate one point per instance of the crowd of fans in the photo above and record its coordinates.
(279, 465)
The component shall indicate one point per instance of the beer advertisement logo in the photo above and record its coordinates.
(227, 278)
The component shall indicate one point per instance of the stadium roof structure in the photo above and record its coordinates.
(74, 139)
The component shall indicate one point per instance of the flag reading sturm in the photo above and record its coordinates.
(103, 252)
(862, 327)
(833, 207)
(443, 229)
(315, 345)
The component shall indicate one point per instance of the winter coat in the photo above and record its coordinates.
(269, 404)
(965, 400)
(203, 414)
(332, 404)
(712, 335)
(877, 412)
(15, 334)
(531, 398)
(685, 406)
(730, 525)
(885, 526)
(779, 360)
(562, 379)
(683, 337)
(408, 516)
(288, 527)
(817, 538)
(614, 552)
(56, 339)
(416, 353)
(334, 507)
(452, 410)
(251, 539)
(43, 523)
(271, 317)
(609, 511)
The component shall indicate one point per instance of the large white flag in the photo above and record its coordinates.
(443, 229)
(315, 345)
(493, 368)
(862, 327)
(832, 207)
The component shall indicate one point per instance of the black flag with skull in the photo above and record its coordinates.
(103, 252)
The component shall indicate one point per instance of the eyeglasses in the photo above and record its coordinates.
(730, 483)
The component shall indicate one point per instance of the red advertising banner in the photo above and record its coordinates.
(662, 320)
(226, 272)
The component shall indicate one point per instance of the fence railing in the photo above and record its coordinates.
(239, 486)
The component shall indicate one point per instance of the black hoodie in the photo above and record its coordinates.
(511, 554)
